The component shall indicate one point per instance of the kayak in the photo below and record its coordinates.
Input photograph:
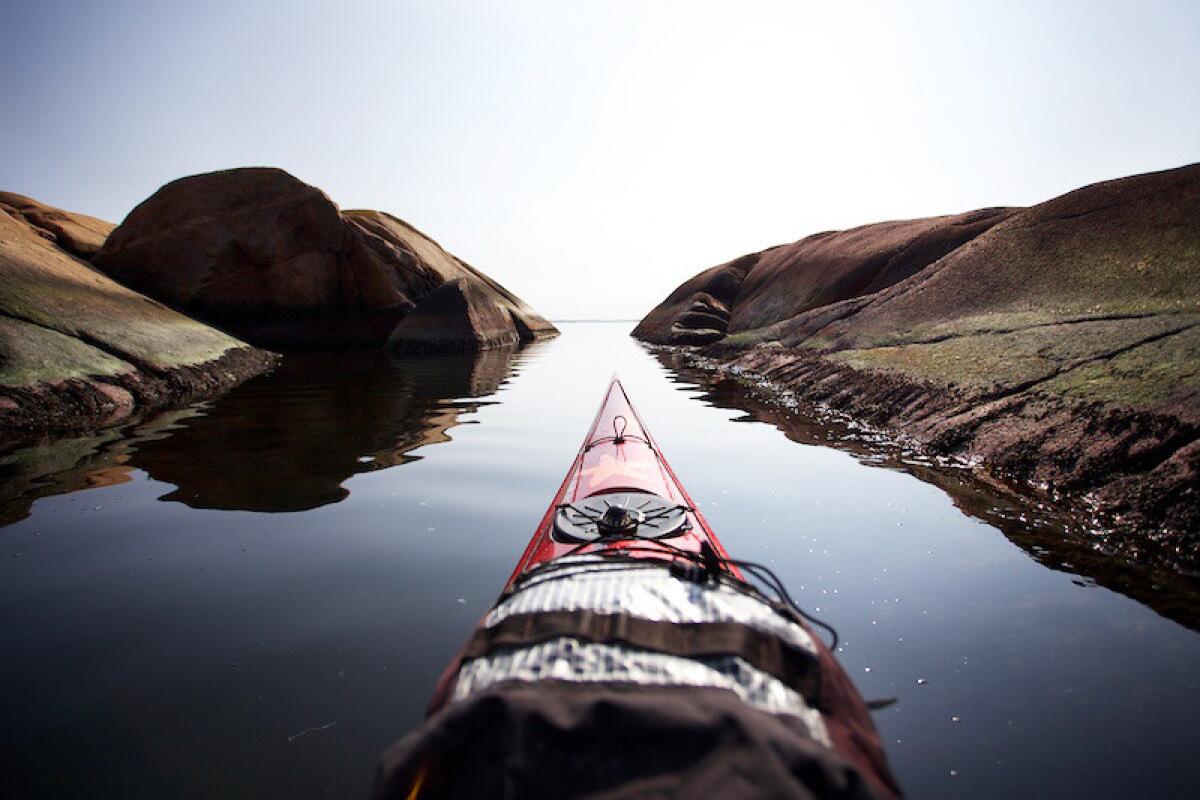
(629, 655)
(619, 468)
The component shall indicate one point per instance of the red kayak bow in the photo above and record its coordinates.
(629, 656)
(619, 468)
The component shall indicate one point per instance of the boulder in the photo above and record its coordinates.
(458, 315)
(273, 260)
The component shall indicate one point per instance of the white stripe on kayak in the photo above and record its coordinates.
(567, 659)
(649, 593)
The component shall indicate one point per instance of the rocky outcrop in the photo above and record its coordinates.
(78, 349)
(820, 271)
(273, 260)
(458, 315)
(1039, 529)
(78, 234)
(1058, 345)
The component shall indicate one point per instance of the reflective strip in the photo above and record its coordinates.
(797, 668)
(648, 592)
(567, 659)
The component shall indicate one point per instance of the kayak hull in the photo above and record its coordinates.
(623, 659)
(619, 455)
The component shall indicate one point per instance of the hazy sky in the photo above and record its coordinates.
(591, 155)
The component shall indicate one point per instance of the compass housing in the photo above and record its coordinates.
(620, 515)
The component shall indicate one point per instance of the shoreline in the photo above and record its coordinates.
(84, 405)
(1125, 514)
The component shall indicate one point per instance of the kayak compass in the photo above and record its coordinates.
(620, 515)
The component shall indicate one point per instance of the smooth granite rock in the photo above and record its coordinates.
(273, 260)
(1058, 345)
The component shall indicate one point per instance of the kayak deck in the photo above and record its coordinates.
(617, 456)
(627, 652)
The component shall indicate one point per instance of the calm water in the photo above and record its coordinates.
(254, 596)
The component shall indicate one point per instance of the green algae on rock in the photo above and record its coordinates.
(78, 349)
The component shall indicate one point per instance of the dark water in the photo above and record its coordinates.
(252, 597)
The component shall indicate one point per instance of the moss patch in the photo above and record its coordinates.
(993, 362)
(30, 354)
(51, 290)
(1161, 375)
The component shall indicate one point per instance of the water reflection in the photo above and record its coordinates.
(289, 441)
(156, 643)
(284, 442)
(73, 463)
(1051, 538)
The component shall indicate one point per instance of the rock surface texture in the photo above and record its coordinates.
(818, 272)
(78, 234)
(273, 260)
(76, 348)
(1058, 345)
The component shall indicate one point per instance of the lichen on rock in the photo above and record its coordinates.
(78, 349)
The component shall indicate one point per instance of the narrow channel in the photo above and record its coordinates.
(255, 595)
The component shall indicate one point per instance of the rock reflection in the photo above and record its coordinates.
(283, 442)
(70, 464)
(287, 442)
(1053, 539)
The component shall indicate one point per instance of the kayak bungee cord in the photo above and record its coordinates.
(787, 597)
(702, 560)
